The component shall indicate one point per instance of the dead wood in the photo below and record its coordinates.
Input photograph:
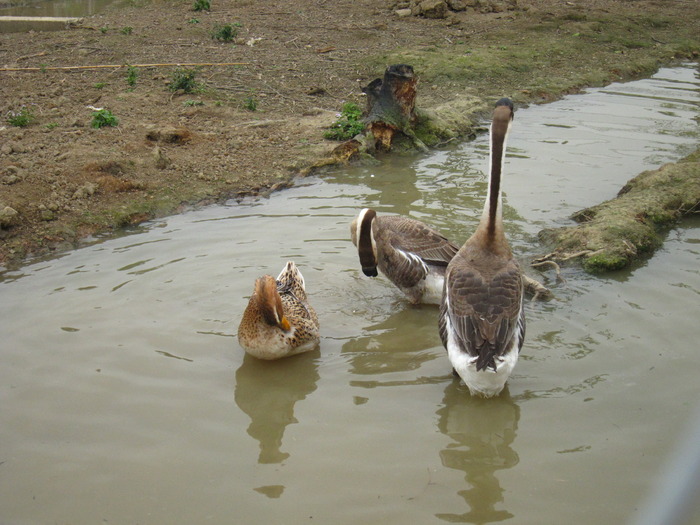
(391, 103)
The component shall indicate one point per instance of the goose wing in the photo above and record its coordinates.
(484, 314)
(412, 236)
(407, 248)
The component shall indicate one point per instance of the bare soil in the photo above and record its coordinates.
(256, 122)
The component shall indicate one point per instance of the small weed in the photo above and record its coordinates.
(131, 74)
(42, 68)
(184, 79)
(225, 33)
(127, 30)
(102, 118)
(201, 5)
(348, 125)
(192, 103)
(193, 21)
(100, 85)
(104, 30)
(250, 103)
(52, 125)
(21, 118)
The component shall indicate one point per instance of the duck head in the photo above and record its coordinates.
(270, 303)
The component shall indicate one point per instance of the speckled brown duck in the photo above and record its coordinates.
(279, 321)
(482, 323)
(409, 253)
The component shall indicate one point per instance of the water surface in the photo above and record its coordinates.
(126, 398)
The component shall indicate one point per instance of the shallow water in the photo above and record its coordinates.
(60, 8)
(126, 398)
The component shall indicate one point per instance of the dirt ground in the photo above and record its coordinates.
(254, 123)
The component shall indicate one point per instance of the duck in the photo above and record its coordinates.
(481, 319)
(278, 320)
(412, 255)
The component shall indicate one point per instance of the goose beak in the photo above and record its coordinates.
(370, 271)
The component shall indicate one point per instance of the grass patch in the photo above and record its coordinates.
(131, 75)
(552, 56)
(348, 125)
(103, 118)
(225, 33)
(184, 79)
(20, 118)
(250, 103)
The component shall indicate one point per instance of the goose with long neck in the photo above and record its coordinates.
(409, 253)
(482, 323)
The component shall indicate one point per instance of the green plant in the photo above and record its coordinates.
(192, 103)
(193, 21)
(184, 79)
(52, 125)
(201, 5)
(131, 74)
(21, 118)
(348, 125)
(104, 29)
(250, 103)
(102, 118)
(226, 32)
(127, 30)
(100, 85)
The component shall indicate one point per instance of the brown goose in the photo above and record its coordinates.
(279, 321)
(482, 324)
(410, 254)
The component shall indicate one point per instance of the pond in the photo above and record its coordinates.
(126, 397)
(55, 8)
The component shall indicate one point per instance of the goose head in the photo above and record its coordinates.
(363, 238)
(270, 303)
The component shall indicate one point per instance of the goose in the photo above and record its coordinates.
(278, 321)
(409, 253)
(481, 321)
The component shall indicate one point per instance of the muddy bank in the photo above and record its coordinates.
(616, 233)
(255, 117)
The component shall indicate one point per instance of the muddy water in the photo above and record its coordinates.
(126, 398)
(61, 8)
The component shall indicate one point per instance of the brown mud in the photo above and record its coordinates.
(256, 118)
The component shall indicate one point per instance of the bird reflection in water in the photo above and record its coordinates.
(267, 392)
(482, 433)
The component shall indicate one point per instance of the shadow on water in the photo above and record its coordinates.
(482, 432)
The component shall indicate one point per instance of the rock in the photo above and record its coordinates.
(161, 159)
(6, 149)
(8, 217)
(13, 174)
(47, 215)
(457, 5)
(402, 13)
(433, 8)
(86, 190)
(169, 135)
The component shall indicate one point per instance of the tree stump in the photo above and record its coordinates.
(390, 107)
